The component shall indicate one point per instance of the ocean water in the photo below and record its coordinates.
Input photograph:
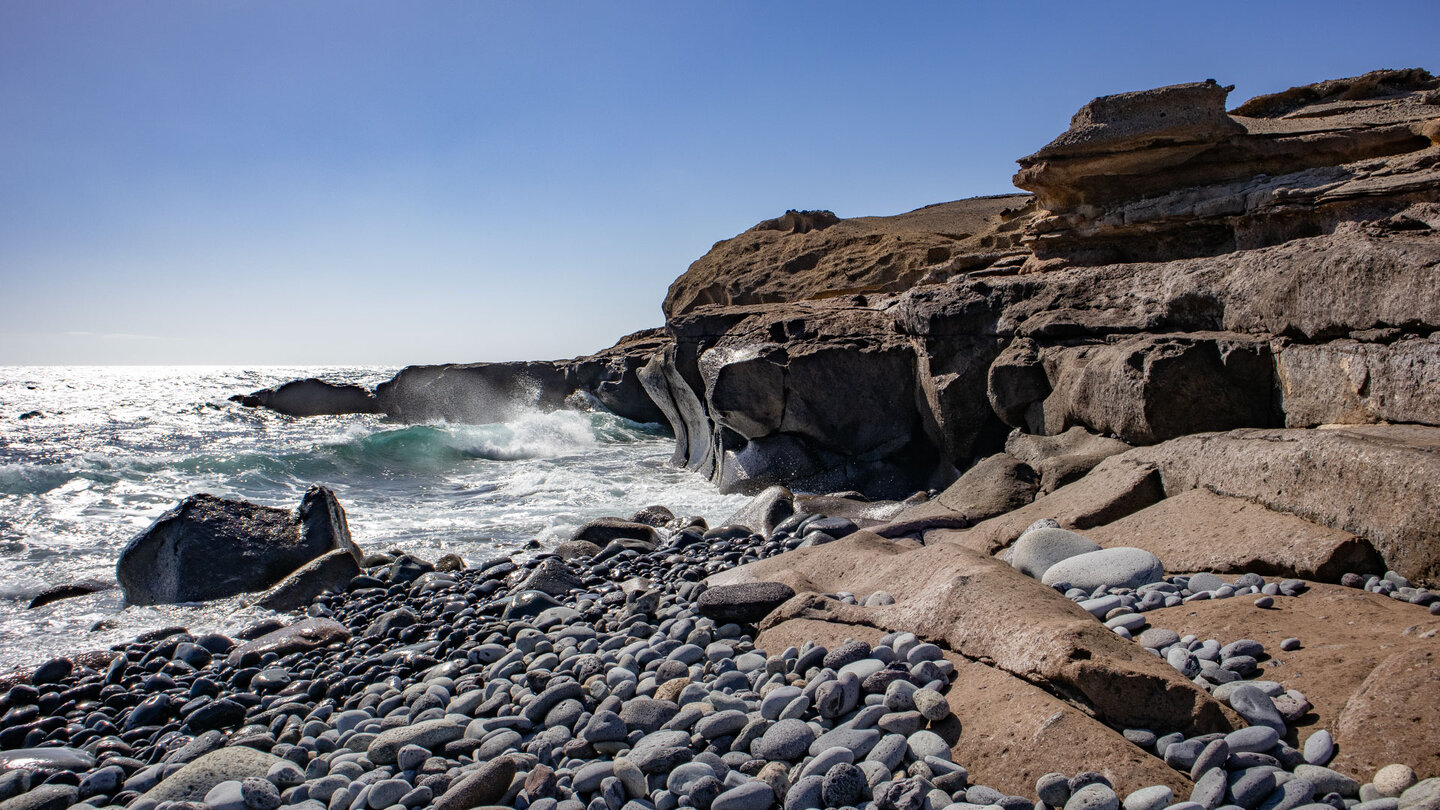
(103, 451)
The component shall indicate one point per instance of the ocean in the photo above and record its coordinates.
(90, 456)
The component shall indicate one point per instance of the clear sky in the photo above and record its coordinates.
(346, 181)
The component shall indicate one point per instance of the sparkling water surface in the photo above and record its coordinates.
(102, 451)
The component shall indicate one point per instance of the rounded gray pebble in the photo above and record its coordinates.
(787, 740)
(387, 792)
(1319, 748)
(1053, 789)
(1093, 797)
(259, 794)
(931, 704)
(753, 795)
(1155, 797)
(928, 744)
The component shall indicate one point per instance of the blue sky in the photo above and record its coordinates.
(345, 181)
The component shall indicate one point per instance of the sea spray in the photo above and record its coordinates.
(113, 448)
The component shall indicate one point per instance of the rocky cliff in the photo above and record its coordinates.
(1180, 269)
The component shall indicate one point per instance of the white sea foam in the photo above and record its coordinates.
(115, 447)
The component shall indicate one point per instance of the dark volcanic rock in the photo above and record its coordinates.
(69, 590)
(745, 603)
(764, 511)
(311, 397)
(209, 547)
(331, 571)
(602, 531)
(473, 393)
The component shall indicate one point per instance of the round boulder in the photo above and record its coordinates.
(1039, 549)
(1120, 567)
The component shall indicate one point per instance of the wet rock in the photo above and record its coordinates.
(208, 547)
(329, 572)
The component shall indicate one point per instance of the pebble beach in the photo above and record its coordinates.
(618, 681)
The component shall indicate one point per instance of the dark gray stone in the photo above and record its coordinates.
(746, 603)
(209, 548)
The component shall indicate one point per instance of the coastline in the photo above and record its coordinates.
(1121, 497)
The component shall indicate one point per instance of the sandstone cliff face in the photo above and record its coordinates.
(809, 255)
(1181, 269)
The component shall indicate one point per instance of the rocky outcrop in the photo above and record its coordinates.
(1167, 173)
(1189, 270)
(472, 393)
(311, 397)
(810, 255)
(1180, 269)
(209, 548)
(483, 393)
(612, 377)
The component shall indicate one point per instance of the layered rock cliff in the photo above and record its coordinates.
(1180, 269)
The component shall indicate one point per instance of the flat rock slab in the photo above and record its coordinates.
(1394, 716)
(1379, 482)
(983, 608)
(1005, 731)
(1111, 491)
(1348, 640)
(1198, 530)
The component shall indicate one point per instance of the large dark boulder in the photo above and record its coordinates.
(311, 397)
(209, 547)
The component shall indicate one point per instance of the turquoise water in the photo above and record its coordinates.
(113, 447)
